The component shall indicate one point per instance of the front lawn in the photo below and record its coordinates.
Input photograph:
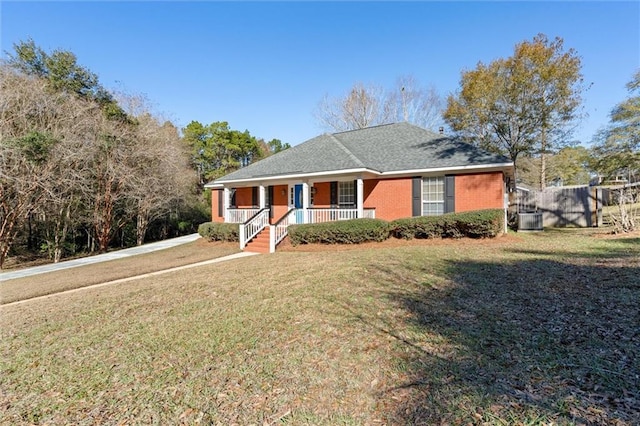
(83, 276)
(535, 328)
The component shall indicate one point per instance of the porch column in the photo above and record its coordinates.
(305, 201)
(226, 194)
(262, 202)
(360, 197)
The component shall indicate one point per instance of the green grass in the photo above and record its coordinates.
(83, 276)
(529, 329)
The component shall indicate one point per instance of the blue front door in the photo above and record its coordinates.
(297, 196)
(297, 202)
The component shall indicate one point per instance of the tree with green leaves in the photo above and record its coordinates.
(569, 166)
(63, 74)
(526, 104)
(217, 150)
(616, 149)
(276, 145)
(616, 153)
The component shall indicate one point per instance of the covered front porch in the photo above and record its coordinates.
(310, 215)
(270, 209)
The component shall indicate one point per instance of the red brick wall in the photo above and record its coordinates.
(244, 198)
(215, 194)
(280, 203)
(390, 197)
(322, 199)
(479, 191)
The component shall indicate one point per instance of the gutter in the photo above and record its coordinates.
(395, 173)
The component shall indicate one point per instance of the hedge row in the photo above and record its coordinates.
(475, 224)
(353, 231)
(215, 231)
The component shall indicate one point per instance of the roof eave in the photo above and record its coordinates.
(213, 185)
(394, 173)
(473, 167)
(291, 176)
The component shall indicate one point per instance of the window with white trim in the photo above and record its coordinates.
(346, 194)
(433, 196)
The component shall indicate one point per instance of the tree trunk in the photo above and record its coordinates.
(543, 159)
(62, 227)
(543, 171)
(103, 216)
(141, 228)
(8, 236)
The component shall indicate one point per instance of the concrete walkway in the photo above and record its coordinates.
(146, 248)
(136, 277)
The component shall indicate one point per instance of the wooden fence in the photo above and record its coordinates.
(579, 206)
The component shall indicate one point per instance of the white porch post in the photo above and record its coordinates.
(360, 199)
(305, 201)
(262, 202)
(226, 194)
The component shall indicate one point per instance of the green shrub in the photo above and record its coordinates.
(474, 224)
(215, 231)
(353, 231)
(482, 223)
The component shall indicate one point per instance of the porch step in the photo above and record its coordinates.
(259, 243)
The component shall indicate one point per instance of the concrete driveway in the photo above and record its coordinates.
(146, 248)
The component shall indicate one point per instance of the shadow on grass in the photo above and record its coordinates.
(530, 341)
(624, 248)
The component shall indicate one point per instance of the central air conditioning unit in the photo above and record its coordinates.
(530, 221)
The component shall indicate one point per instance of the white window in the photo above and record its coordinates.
(346, 194)
(433, 196)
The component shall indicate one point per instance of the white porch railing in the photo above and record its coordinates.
(240, 215)
(331, 215)
(369, 213)
(279, 230)
(252, 227)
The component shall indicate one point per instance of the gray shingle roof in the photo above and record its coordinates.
(386, 148)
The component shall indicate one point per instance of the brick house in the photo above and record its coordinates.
(387, 172)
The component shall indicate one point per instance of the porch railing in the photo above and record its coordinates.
(240, 215)
(279, 230)
(252, 227)
(331, 215)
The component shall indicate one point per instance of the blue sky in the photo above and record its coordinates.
(264, 66)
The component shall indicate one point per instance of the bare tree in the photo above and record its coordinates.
(418, 105)
(62, 207)
(365, 106)
(35, 123)
(163, 175)
(110, 176)
(75, 159)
